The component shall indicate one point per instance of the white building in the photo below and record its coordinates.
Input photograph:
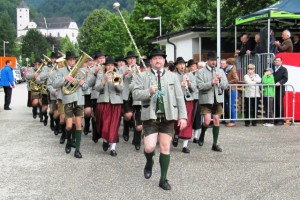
(55, 26)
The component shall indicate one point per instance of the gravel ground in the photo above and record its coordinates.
(256, 163)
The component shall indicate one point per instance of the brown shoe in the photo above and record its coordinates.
(231, 124)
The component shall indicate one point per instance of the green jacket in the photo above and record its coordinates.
(268, 91)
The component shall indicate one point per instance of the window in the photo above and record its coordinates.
(58, 35)
(73, 35)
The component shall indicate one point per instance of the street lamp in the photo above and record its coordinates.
(155, 18)
(4, 42)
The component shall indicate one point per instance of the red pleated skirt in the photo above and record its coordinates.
(108, 121)
(187, 132)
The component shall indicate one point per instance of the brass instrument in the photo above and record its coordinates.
(32, 84)
(113, 77)
(77, 74)
(135, 70)
(61, 62)
(101, 68)
(186, 79)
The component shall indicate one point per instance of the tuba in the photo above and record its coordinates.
(78, 75)
(113, 77)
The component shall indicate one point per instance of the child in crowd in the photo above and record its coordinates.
(268, 95)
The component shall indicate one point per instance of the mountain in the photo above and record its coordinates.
(78, 10)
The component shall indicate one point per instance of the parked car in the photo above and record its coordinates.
(17, 75)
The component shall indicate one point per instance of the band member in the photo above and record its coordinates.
(211, 81)
(34, 87)
(127, 73)
(121, 62)
(53, 94)
(197, 119)
(73, 101)
(29, 101)
(42, 78)
(88, 67)
(188, 86)
(109, 105)
(99, 60)
(162, 104)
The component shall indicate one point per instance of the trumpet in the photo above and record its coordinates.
(113, 77)
(77, 74)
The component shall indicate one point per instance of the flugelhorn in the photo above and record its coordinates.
(77, 74)
(113, 77)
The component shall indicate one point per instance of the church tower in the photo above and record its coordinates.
(22, 17)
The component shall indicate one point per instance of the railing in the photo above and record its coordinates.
(260, 107)
(261, 62)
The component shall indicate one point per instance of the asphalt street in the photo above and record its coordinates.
(256, 163)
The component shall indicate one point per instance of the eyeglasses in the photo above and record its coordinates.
(250, 68)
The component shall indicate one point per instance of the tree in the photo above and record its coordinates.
(7, 33)
(67, 45)
(35, 43)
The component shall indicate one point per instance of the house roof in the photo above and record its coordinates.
(53, 23)
(22, 4)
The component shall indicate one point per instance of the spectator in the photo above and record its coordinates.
(258, 47)
(280, 78)
(251, 94)
(286, 45)
(268, 95)
(231, 93)
(246, 45)
(8, 82)
(296, 46)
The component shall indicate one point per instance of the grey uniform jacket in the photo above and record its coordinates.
(196, 92)
(188, 92)
(108, 92)
(50, 87)
(204, 77)
(69, 98)
(43, 76)
(90, 79)
(29, 76)
(91, 82)
(173, 97)
(128, 81)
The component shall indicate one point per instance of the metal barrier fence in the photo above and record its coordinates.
(261, 62)
(267, 108)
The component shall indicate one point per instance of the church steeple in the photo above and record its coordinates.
(22, 17)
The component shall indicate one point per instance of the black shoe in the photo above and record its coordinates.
(45, 121)
(175, 141)
(34, 116)
(95, 140)
(254, 124)
(216, 148)
(113, 153)
(7, 108)
(41, 119)
(137, 146)
(247, 125)
(164, 184)
(77, 154)
(105, 146)
(200, 143)
(55, 132)
(126, 137)
(195, 140)
(62, 140)
(147, 172)
(86, 130)
(68, 148)
(185, 150)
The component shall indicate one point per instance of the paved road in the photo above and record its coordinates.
(256, 163)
